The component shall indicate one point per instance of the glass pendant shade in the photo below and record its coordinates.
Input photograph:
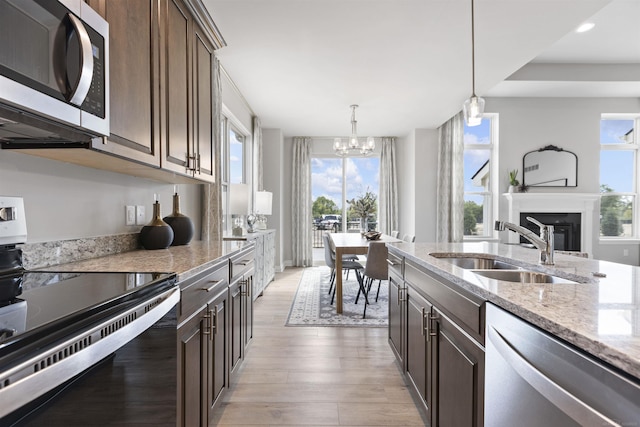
(473, 109)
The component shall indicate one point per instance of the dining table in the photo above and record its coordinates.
(352, 244)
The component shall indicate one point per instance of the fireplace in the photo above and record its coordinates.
(585, 205)
(566, 227)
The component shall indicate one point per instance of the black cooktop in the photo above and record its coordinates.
(35, 303)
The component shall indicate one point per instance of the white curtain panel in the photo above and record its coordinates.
(211, 193)
(450, 198)
(257, 154)
(388, 206)
(301, 233)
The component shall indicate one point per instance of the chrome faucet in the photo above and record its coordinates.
(544, 242)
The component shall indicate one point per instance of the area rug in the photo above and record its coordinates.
(312, 304)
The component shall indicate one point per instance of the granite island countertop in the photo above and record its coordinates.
(600, 315)
(186, 261)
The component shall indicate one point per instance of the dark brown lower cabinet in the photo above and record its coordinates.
(441, 354)
(202, 342)
(458, 375)
(419, 355)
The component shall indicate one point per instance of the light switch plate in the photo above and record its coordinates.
(130, 215)
(140, 215)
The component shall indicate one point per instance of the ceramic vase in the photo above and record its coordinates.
(157, 234)
(181, 225)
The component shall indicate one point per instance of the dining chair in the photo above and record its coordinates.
(330, 260)
(376, 267)
(395, 234)
(409, 238)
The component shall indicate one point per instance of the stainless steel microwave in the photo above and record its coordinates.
(54, 71)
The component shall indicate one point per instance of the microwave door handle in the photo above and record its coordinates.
(83, 85)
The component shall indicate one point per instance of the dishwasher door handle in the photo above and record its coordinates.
(573, 407)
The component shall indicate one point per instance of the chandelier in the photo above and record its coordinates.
(473, 108)
(352, 145)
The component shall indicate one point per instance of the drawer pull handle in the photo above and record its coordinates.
(244, 262)
(214, 322)
(207, 318)
(213, 285)
(392, 263)
(423, 324)
(432, 331)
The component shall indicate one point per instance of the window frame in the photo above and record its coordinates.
(633, 147)
(490, 210)
(227, 124)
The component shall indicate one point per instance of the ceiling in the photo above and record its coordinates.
(300, 64)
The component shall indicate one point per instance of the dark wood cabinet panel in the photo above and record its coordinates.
(217, 378)
(191, 360)
(459, 365)
(203, 100)
(236, 318)
(396, 318)
(418, 357)
(176, 54)
(133, 79)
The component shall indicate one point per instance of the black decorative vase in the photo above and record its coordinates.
(157, 234)
(181, 224)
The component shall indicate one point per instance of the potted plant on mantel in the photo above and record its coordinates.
(513, 181)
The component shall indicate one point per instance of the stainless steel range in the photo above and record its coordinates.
(56, 325)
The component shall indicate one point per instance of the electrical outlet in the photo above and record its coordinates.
(625, 252)
(140, 215)
(130, 215)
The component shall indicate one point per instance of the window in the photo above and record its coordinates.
(336, 180)
(480, 184)
(618, 177)
(233, 168)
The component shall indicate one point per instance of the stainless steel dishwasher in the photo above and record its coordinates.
(535, 379)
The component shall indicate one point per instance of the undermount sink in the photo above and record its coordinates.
(475, 263)
(522, 276)
(490, 267)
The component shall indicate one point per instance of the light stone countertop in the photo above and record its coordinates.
(601, 315)
(186, 261)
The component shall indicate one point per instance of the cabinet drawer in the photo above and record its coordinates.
(395, 264)
(241, 264)
(464, 307)
(198, 293)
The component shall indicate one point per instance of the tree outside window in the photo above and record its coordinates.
(480, 143)
(618, 158)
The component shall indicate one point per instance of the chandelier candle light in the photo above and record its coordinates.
(473, 108)
(344, 148)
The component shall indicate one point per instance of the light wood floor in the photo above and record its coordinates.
(314, 376)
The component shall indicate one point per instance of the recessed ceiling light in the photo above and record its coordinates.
(585, 27)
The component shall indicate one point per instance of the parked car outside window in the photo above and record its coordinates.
(330, 222)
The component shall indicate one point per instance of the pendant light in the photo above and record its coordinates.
(473, 108)
(343, 148)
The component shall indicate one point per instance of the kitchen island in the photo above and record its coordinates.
(441, 322)
(583, 314)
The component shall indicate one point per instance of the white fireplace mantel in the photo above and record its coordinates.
(584, 203)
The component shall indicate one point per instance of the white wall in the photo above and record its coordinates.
(406, 158)
(273, 180)
(426, 168)
(66, 201)
(573, 124)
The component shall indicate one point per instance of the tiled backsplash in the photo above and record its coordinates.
(38, 255)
